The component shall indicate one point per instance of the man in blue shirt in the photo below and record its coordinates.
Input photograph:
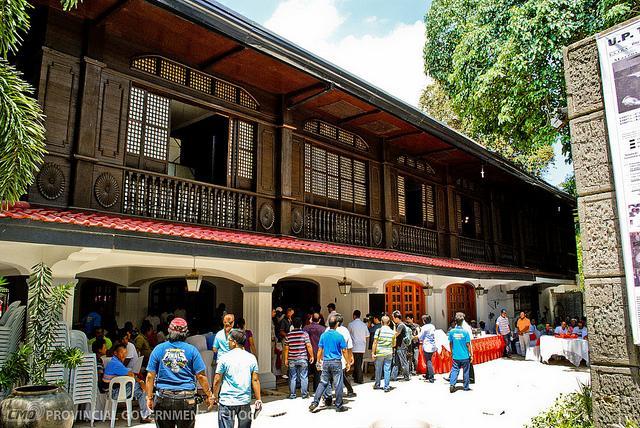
(462, 353)
(331, 348)
(236, 376)
(116, 368)
(174, 367)
(221, 340)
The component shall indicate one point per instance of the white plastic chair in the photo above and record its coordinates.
(79, 340)
(123, 381)
(199, 341)
(137, 366)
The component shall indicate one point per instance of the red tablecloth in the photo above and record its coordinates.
(484, 349)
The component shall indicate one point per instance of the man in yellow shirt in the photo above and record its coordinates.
(523, 324)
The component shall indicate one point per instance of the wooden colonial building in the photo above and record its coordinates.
(180, 134)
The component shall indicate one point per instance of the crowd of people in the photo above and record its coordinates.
(315, 356)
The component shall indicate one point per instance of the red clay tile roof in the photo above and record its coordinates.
(23, 210)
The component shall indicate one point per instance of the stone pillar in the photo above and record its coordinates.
(360, 301)
(67, 311)
(615, 360)
(257, 314)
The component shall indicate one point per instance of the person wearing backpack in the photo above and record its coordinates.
(403, 343)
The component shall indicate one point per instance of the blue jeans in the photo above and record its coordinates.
(455, 369)
(400, 363)
(383, 363)
(507, 343)
(228, 414)
(139, 395)
(331, 373)
(429, 364)
(298, 368)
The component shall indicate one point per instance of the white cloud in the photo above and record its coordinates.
(391, 61)
(371, 19)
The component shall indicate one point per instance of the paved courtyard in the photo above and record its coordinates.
(507, 394)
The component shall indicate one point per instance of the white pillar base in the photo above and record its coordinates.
(257, 313)
(267, 380)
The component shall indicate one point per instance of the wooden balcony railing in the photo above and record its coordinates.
(160, 196)
(334, 226)
(472, 249)
(419, 240)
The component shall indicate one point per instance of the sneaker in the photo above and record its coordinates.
(284, 376)
(452, 389)
(305, 396)
(377, 387)
(432, 380)
(313, 406)
(292, 397)
(341, 409)
(446, 379)
(387, 389)
(351, 394)
(467, 389)
(328, 401)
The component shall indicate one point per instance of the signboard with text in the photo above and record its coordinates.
(619, 51)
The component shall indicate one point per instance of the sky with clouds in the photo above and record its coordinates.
(380, 41)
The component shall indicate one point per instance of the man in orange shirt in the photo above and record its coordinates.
(523, 324)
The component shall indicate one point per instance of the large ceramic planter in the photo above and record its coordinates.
(36, 406)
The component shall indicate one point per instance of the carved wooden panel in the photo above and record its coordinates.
(52, 182)
(58, 96)
(297, 175)
(107, 189)
(114, 93)
(267, 170)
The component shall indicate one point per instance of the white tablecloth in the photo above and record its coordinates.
(574, 350)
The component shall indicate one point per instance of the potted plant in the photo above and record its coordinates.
(33, 402)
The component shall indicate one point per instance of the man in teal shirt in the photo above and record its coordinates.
(462, 354)
(236, 376)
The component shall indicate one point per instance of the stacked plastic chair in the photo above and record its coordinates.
(11, 326)
(84, 385)
(57, 373)
(79, 340)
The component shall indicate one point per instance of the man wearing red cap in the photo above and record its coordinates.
(173, 368)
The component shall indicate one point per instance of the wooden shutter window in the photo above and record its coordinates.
(477, 214)
(402, 210)
(148, 129)
(429, 205)
(330, 178)
(459, 212)
(241, 159)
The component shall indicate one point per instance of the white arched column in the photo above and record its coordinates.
(67, 311)
(257, 314)
(360, 301)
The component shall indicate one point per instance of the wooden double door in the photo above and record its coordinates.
(461, 298)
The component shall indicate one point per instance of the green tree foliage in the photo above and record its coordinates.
(499, 62)
(22, 133)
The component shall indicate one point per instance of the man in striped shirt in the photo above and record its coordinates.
(382, 352)
(297, 355)
(503, 329)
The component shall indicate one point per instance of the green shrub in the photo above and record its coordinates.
(569, 411)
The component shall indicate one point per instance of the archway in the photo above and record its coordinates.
(167, 295)
(100, 296)
(302, 295)
(406, 297)
(461, 298)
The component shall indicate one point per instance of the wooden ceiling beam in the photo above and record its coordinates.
(221, 57)
(315, 87)
(357, 116)
(327, 88)
(439, 151)
(405, 134)
(109, 12)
